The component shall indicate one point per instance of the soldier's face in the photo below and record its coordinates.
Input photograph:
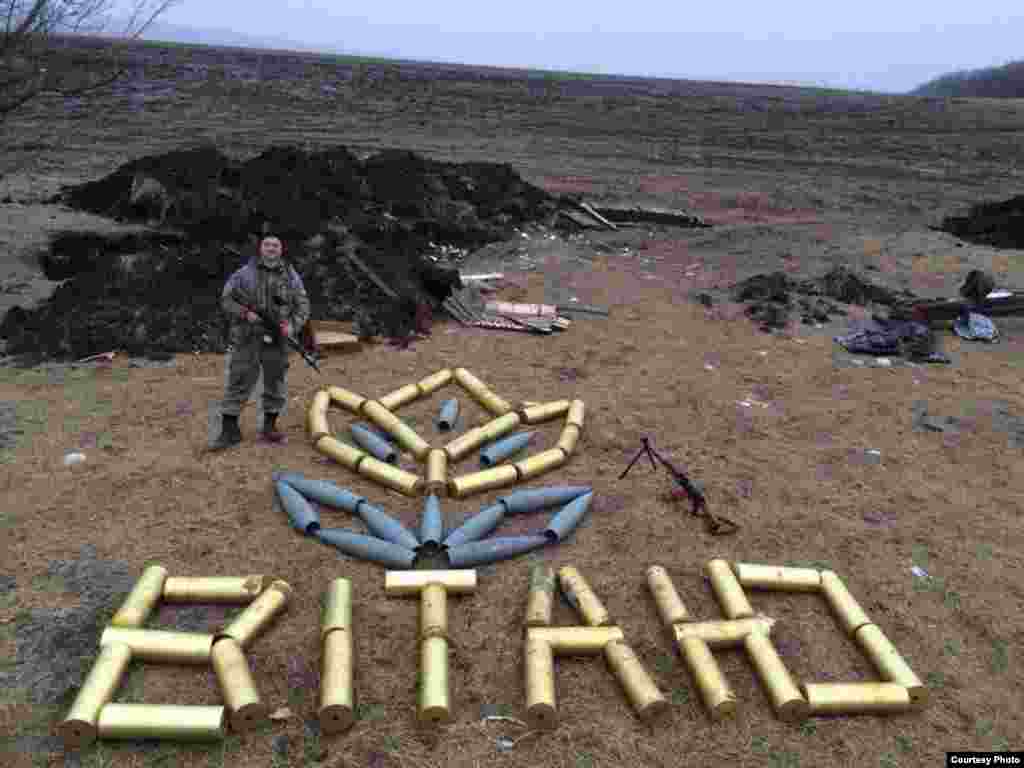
(271, 248)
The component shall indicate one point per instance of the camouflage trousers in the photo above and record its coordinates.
(243, 371)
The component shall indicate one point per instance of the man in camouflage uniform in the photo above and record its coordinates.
(267, 283)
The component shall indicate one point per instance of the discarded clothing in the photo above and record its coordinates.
(883, 337)
(975, 328)
(868, 342)
(886, 338)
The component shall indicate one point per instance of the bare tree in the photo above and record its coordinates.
(29, 29)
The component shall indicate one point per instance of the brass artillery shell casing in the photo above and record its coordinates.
(670, 605)
(162, 721)
(499, 427)
(890, 665)
(540, 601)
(317, 418)
(434, 382)
(341, 452)
(78, 729)
(780, 578)
(390, 476)
(786, 698)
(337, 608)
(245, 709)
(718, 697)
(437, 472)
(582, 597)
(568, 439)
(400, 396)
(433, 611)
(142, 599)
(727, 589)
(350, 401)
(648, 702)
(337, 688)
(481, 392)
(212, 589)
(540, 685)
(575, 415)
(398, 429)
(541, 412)
(408, 583)
(435, 706)
(259, 614)
(540, 463)
(161, 646)
(464, 444)
(576, 641)
(856, 698)
(724, 634)
(846, 609)
(484, 480)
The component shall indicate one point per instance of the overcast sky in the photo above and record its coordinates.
(889, 45)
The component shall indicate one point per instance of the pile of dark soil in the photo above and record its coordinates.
(344, 222)
(771, 297)
(997, 224)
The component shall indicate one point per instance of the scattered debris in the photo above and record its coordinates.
(976, 328)
(885, 338)
(919, 572)
(283, 713)
(647, 215)
(925, 421)
(582, 309)
(770, 296)
(525, 310)
(575, 221)
(9, 429)
(73, 458)
(469, 308)
(601, 219)
(151, 362)
(999, 224)
(108, 356)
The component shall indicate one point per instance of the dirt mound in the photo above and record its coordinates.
(364, 234)
(997, 224)
(771, 296)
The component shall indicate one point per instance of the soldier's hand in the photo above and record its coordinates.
(251, 316)
(286, 328)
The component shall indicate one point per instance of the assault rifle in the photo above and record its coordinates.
(273, 328)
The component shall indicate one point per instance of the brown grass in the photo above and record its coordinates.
(788, 473)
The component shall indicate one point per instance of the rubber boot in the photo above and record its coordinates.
(229, 433)
(270, 432)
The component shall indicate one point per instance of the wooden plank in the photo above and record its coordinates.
(526, 310)
(586, 309)
(590, 209)
(638, 215)
(334, 326)
(331, 341)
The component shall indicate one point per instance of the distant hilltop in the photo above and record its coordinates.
(1005, 82)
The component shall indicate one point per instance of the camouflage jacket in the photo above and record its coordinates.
(280, 291)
